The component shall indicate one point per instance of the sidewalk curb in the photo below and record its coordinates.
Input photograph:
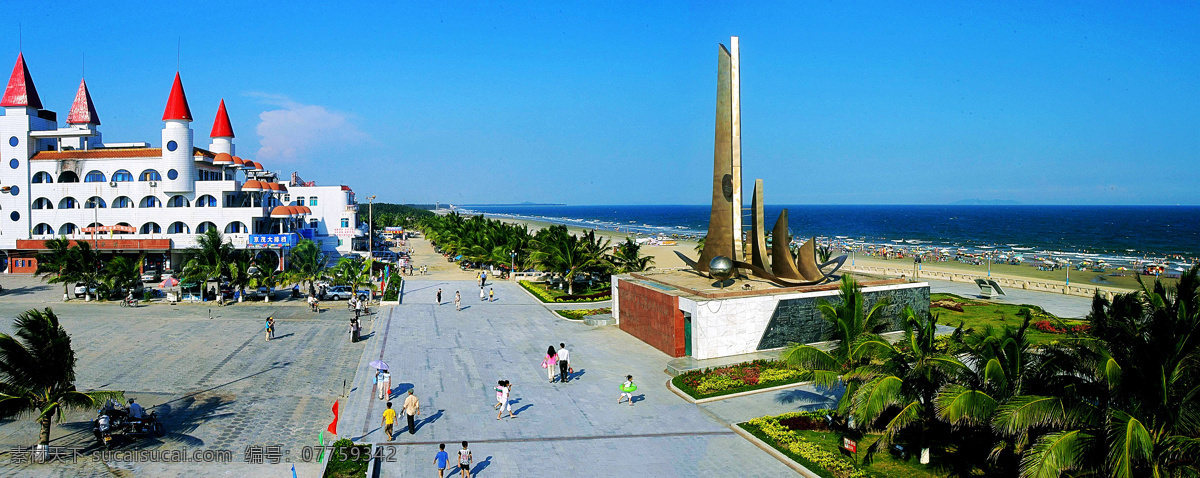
(773, 452)
(701, 401)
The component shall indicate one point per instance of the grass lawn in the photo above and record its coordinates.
(978, 314)
(347, 460)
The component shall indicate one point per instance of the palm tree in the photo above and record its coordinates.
(628, 257)
(850, 319)
(120, 274)
(902, 380)
(37, 372)
(210, 259)
(308, 263)
(1126, 401)
(700, 243)
(353, 272)
(239, 274)
(58, 263)
(569, 254)
(267, 276)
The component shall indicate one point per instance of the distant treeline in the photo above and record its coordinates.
(397, 215)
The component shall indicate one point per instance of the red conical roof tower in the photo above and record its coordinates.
(82, 110)
(20, 91)
(221, 126)
(177, 105)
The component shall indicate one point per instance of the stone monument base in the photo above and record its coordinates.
(683, 313)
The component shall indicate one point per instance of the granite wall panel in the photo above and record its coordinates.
(799, 320)
(652, 316)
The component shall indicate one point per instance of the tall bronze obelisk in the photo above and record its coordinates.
(725, 222)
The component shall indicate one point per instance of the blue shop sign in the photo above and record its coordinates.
(273, 240)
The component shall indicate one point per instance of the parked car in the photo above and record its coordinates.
(151, 276)
(338, 292)
(82, 289)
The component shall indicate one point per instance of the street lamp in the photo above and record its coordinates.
(512, 268)
(370, 226)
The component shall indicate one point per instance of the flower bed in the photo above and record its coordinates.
(579, 314)
(347, 459)
(545, 295)
(737, 378)
(1046, 326)
(775, 431)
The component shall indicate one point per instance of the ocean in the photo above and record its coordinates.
(1125, 233)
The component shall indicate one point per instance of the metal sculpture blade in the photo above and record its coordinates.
(758, 233)
(720, 240)
(782, 264)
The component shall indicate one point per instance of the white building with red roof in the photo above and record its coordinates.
(131, 198)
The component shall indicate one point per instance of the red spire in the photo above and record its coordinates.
(221, 126)
(20, 91)
(177, 106)
(82, 110)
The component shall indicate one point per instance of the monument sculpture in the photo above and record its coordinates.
(725, 220)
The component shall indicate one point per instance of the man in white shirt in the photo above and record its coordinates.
(135, 410)
(564, 362)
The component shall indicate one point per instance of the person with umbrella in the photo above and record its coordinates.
(383, 379)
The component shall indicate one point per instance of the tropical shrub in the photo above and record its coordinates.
(392, 292)
(813, 456)
(738, 378)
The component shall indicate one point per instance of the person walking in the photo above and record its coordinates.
(550, 363)
(440, 460)
(464, 461)
(412, 408)
(270, 328)
(439, 296)
(389, 419)
(506, 392)
(627, 390)
(482, 295)
(457, 301)
(491, 294)
(499, 388)
(564, 363)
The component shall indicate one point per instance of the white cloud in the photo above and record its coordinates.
(299, 132)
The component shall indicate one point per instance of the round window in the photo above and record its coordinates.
(172, 174)
(16, 216)
(13, 163)
(172, 146)
(15, 190)
(13, 141)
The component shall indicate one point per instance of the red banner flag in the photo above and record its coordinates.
(333, 426)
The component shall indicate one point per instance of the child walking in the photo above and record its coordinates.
(504, 399)
(627, 390)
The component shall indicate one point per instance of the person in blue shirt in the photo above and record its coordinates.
(440, 459)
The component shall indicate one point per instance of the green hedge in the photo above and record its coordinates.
(344, 463)
(818, 459)
(545, 295)
(392, 292)
(579, 314)
(694, 381)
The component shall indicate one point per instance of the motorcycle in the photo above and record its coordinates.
(129, 303)
(114, 417)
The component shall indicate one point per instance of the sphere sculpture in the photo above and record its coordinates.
(720, 267)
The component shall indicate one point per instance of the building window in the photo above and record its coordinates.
(42, 203)
(345, 222)
(204, 227)
(177, 227)
(68, 203)
(172, 145)
(13, 141)
(151, 228)
(122, 176)
(94, 177)
(177, 201)
(15, 191)
(148, 175)
(14, 163)
(148, 201)
(313, 224)
(67, 228)
(172, 174)
(312, 201)
(300, 201)
(235, 227)
(122, 201)
(42, 177)
(16, 216)
(95, 202)
(126, 224)
(206, 201)
(68, 177)
(43, 228)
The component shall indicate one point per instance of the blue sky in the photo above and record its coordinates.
(843, 103)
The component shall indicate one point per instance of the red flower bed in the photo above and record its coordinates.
(1046, 326)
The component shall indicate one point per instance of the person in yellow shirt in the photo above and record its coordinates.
(389, 419)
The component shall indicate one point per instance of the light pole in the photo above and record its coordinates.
(512, 268)
(370, 226)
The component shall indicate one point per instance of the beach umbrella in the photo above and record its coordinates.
(379, 364)
(168, 283)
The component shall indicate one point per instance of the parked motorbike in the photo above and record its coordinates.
(114, 417)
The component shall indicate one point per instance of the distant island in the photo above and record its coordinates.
(526, 203)
(986, 202)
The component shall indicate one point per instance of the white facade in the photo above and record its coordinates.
(334, 218)
(57, 181)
